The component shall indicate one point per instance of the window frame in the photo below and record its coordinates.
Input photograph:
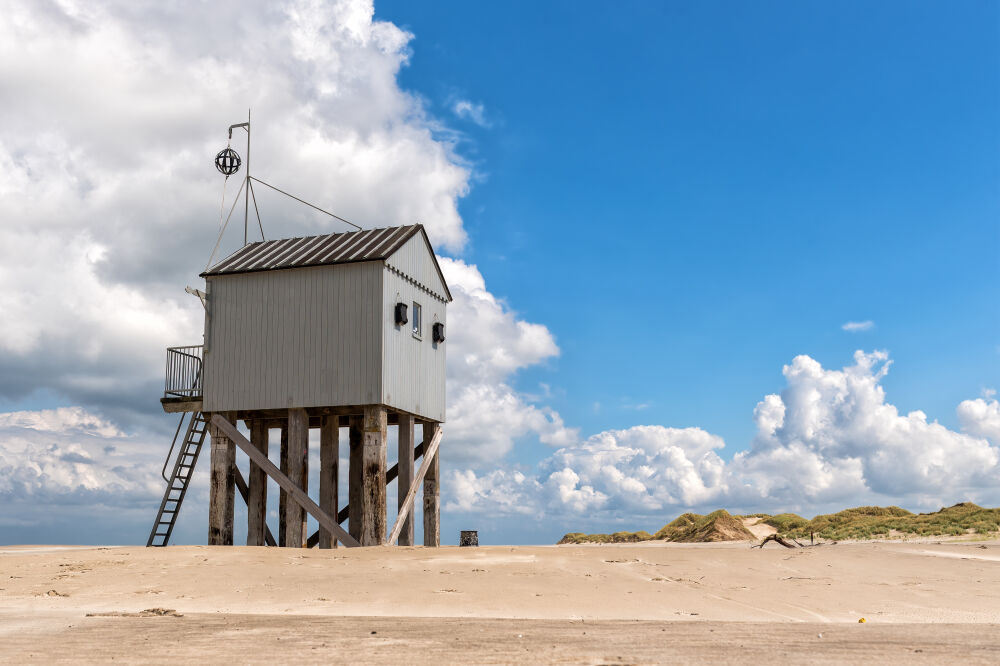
(417, 318)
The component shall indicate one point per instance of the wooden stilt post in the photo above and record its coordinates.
(304, 541)
(373, 445)
(282, 495)
(222, 489)
(354, 488)
(432, 492)
(298, 456)
(257, 487)
(405, 466)
(329, 469)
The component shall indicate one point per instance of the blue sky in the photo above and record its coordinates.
(657, 219)
(690, 194)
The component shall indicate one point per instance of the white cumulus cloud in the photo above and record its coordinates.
(112, 114)
(838, 437)
(828, 439)
(488, 344)
(981, 418)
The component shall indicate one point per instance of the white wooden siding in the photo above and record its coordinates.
(415, 260)
(305, 337)
(326, 336)
(413, 372)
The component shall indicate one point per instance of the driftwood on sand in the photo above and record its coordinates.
(794, 542)
(777, 539)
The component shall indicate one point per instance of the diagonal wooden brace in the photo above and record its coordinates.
(294, 492)
(390, 476)
(241, 485)
(404, 510)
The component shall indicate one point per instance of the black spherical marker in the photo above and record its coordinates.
(228, 161)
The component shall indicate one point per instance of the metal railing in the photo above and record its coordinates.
(183, 372)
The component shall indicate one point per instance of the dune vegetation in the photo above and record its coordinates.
(864, 522)
(868, 522)
(688, 528)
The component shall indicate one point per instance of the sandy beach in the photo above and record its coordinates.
(629, 603)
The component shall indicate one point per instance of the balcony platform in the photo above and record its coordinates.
(175, 405)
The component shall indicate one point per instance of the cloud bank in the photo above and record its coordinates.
(828, 439)
(67, 459)
(112, 114)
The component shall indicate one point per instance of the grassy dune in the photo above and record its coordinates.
(868, 522)
(864, 522)
(687, 528)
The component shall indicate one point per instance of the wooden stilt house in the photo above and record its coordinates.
(337, 332)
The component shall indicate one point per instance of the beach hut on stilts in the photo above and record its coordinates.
(343, 333)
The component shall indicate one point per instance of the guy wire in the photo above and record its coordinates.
(254, 197)
(236, 200)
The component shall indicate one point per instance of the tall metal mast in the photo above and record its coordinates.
(246, 184)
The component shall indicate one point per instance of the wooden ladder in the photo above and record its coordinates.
(177, 484)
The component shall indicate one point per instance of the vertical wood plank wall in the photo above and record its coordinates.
(415, 260)
(269, 345)
(347, 352)
(413, 371)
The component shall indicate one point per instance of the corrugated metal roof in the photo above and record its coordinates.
(343, 248)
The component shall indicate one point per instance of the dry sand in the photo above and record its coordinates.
(634, 603)
(758, 528)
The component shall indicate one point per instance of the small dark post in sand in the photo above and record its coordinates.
(324, 333)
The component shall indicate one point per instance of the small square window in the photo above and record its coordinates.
(418, 321)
